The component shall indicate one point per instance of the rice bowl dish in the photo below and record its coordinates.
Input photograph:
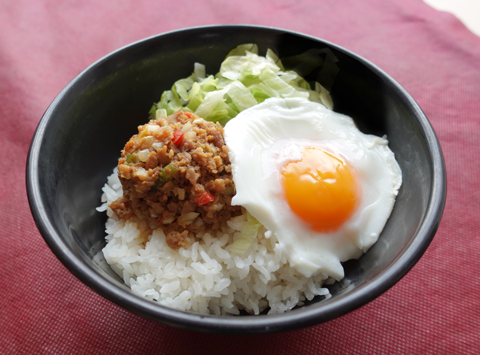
(203, 259)
(113, 96)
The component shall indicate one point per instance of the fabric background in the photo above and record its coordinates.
(434, 309)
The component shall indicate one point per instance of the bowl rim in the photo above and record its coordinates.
(296, 319)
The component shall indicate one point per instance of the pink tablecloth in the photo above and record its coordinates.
(435, 309)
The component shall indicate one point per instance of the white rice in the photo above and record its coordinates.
(206, 277)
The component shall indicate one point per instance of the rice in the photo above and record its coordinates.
(205, 278)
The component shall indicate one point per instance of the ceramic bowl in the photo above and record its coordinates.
(79, 138)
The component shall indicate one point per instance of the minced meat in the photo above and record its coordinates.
(176, 175)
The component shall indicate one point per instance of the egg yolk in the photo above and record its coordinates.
(321, 189)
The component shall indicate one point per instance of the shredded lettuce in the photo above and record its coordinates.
(242, 49)
(247, 237)
(244, 80)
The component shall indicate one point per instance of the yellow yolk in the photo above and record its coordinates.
(321, 189)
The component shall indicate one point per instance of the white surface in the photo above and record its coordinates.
(467, 11)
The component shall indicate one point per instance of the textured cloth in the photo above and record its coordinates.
(434, 309)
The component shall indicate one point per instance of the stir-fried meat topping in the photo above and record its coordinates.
(176, 175)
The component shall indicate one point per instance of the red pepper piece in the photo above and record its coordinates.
(188, 114)
(204, 198)
(177, 137)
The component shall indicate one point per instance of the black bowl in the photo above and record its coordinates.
(79, 138)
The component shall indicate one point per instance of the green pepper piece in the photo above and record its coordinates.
(130, 158)
(167, 174)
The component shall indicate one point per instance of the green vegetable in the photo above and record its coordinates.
(170, 101)
(167, 174)
(132, 158)
(247, 236)
(160, 113)
(242, 49)
(244, 80)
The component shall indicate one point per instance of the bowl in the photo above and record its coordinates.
(78, 141)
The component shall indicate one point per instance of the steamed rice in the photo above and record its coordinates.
(205, 278)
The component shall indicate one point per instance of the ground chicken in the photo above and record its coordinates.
(176, 175)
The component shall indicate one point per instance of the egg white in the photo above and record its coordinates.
(265, 137)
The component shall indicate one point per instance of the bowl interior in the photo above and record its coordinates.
(79, 139)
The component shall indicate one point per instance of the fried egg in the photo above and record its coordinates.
(325, 189)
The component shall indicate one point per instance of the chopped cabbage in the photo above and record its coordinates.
(247, 237)
(244, 80)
